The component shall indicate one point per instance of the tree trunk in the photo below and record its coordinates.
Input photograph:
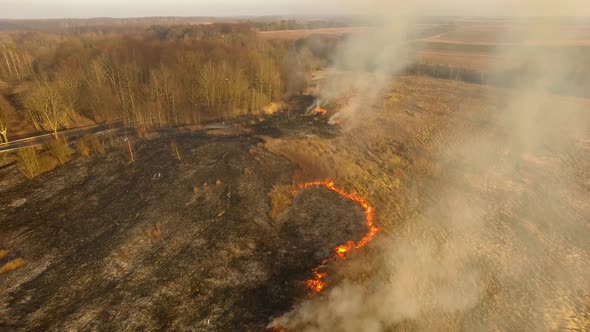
(7, 63)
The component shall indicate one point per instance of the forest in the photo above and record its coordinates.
(152, 77)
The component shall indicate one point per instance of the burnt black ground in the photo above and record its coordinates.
(113, 246)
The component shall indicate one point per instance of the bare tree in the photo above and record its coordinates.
(238, 90)
(97, 94)
(208, 77)
(68, 83)
(163, 91)
(15, 63)
(46, 108)
(4, 111)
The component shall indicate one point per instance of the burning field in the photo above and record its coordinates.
(182, 238)
(483, 219)
(317, 284)
(384, 222)
(419, 173)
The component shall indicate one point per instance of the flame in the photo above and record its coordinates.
(317, 284)
(320, 110)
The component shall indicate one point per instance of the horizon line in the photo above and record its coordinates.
(331, 15)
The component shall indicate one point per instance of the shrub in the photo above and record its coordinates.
(47, 163)
(96, 145)
(111, 139)
(83, 148)
(88, 144)
(60, 150)
(28, 162)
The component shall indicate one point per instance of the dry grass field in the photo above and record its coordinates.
(464, 60)
(467, 207)
(514, 33)
(300, 34)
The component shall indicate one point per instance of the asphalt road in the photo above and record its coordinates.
(77, 132)
(69, 133)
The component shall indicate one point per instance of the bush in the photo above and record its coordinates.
(88, 144)
(111, 139)
(83, 148)
(60, 150)
(97, 145)
(28, 162)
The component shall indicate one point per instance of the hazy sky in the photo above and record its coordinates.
(127, 8)
(134, 8)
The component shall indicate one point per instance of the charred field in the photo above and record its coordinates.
(164, 243)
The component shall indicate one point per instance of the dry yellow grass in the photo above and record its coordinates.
(154, 232)
(12, 265)
(281, 198)
(60, 150)
(395, 157)
(130, 150)
(175, 150)
(97, 145)
(300, 34)
(83, 148)
(32, 163)
(28, 162)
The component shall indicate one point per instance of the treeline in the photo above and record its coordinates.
(164, 76)
(64, 24)
(298, 25)
(574, 82)
(557, 69)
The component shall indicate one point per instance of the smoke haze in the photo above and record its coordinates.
(136, 8)
(504, 246)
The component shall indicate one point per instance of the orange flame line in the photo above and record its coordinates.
(320, 110)
(317, 284)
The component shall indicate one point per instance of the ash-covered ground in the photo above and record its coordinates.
(166, 244)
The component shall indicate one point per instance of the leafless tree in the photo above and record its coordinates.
(4, 114)
(46, 108)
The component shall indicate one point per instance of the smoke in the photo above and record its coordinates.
(504, 244)
(369, 60)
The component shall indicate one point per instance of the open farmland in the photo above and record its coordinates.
(486, 52)
(509, 33)
(486, 46)
(300, 34)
